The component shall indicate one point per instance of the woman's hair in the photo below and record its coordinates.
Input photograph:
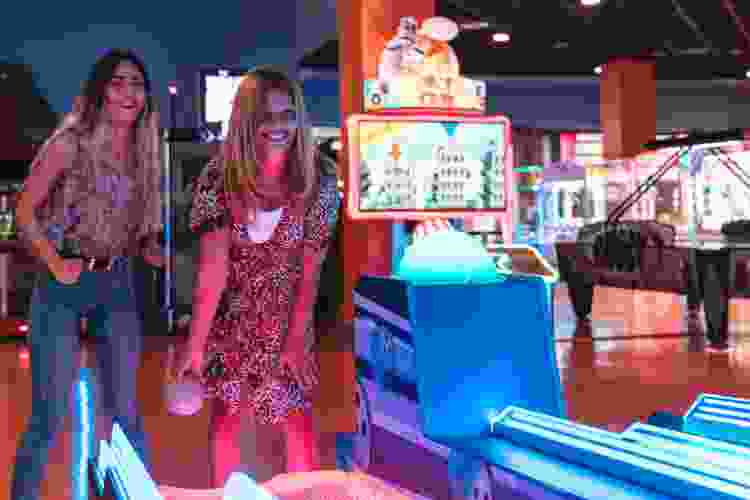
(84, 121)
(240, 162)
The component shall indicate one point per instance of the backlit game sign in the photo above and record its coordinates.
(419, 69)
(424, 166)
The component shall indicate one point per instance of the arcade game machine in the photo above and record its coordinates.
(562, 201)
(528, 180)
(416, 159)
(440, 365)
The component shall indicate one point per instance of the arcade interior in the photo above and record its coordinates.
(560, 320)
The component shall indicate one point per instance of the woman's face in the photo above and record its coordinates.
(276, 125)
(125, 94)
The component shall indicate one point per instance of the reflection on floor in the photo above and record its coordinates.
(639, 356)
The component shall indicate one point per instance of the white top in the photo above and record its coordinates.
(261, 230)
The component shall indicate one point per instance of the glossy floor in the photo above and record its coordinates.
(639, 356)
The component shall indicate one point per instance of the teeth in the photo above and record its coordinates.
(278, 136)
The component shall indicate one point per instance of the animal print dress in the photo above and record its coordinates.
(248, 331)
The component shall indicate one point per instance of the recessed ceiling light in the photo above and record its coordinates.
(598, 70)
(501, 37)
(747, 73)
(590, 3)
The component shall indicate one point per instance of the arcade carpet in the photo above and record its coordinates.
(639, 356)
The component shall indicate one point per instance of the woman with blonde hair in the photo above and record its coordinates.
(265, 215)
(90, 203)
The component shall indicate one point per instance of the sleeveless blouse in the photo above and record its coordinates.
(92, 210)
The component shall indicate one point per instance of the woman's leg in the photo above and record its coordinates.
(301, 445)
(118, 355)
(225, 454)
(54, 345)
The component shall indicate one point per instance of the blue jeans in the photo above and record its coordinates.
(108, 298)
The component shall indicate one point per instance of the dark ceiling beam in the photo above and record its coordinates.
(690, 22)
(744, 34)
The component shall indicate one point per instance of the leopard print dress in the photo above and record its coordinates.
(250, 325)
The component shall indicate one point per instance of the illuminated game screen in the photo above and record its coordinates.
(406, 166)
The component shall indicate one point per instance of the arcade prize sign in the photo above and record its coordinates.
(419, 69)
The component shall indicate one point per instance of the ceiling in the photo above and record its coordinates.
(689, 39)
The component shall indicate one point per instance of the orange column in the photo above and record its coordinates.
(628, 106)
(364, 27)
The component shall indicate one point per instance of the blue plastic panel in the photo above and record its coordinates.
(720, 417)
(480, 349)
(608, 453)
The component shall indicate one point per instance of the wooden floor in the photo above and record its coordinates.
(640, 356)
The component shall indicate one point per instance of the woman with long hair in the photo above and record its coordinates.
(265, 214)
(89, 205)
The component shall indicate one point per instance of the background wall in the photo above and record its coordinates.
(61, 40)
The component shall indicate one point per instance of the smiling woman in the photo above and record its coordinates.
(90, 204)
(266, 215)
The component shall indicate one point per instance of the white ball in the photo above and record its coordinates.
(240, 486)
(184, 398)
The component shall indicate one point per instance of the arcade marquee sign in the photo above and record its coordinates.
(419, 69)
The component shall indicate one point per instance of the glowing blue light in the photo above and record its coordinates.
(84, 433)
(449, 257)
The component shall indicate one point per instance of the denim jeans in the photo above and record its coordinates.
(108, 297)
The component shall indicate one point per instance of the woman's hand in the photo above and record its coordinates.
(156, 260)
(190, 360)
(431, 226)
(301, 364)
(68, 272)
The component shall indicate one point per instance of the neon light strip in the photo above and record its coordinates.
(720, 411)
(724, 399)
(732, 404)
(707, 460)
(691, 439)
(604, 444)
(118, 477)
(724, 420)
(609, 455)
(82, 425)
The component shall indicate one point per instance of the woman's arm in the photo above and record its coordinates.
(57, 157)
(213, 271)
